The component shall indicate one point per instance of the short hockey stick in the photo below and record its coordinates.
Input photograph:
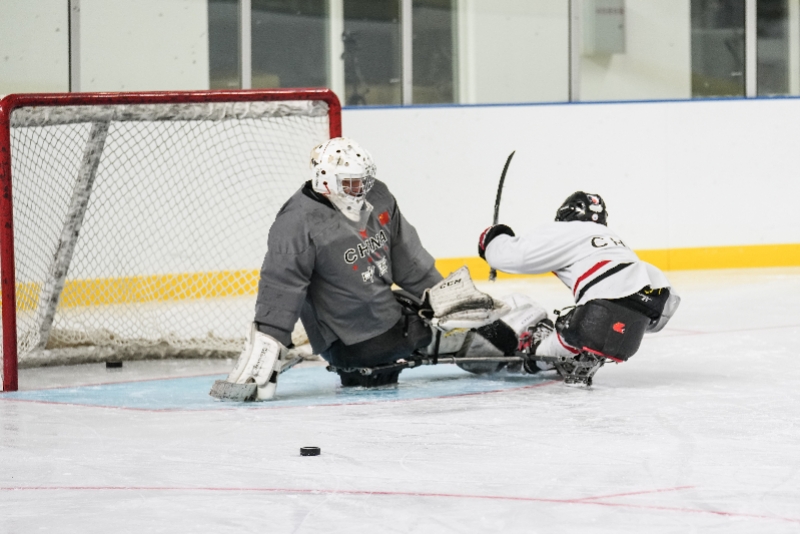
(413, 362)
(493, 272)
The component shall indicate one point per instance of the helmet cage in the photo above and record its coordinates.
(345, 185)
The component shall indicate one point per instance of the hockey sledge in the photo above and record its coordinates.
(577, 370)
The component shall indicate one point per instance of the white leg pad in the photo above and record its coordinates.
(450, 342)
(237, 370)
(260, 363)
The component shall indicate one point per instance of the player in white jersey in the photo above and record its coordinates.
(617, 296)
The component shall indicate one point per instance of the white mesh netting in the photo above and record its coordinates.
(164, 259)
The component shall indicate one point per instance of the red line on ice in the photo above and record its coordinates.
(634, 493)
(582, 501)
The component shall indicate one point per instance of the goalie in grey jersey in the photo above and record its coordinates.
(617, 296)
(334, 251)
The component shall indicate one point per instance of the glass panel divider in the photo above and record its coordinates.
(245, 44)
(794, 47)
(750, 48)
(407, 53)
(336, 48)
(575, 49)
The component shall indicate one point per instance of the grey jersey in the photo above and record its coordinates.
(336, 274)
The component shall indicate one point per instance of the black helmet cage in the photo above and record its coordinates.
(581, 206)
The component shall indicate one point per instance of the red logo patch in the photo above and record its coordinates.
(619, 327)
(363, 233)
(383, 218)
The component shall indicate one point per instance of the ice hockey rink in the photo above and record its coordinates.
(697, 433)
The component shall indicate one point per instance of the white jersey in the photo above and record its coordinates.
(591, 260)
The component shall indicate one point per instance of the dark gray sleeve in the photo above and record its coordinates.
(413, 268)
(285, 275)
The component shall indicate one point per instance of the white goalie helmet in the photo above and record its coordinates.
(344, 172)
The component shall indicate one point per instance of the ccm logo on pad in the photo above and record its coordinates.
(619, 328)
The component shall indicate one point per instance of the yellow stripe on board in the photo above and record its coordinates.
(478, 269)
(735, 257)
(171, 287)
(27, 295)
(159, 288)
(675, 259)
(150, 288)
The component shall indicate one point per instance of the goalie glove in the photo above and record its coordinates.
(455, 302)
(489, 234)
(258, 368)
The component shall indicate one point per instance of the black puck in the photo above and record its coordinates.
(113, 364)
(309, 451)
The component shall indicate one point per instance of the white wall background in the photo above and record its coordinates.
(519, 51)
(34, 43)
(144, 45)
(674, 174)
(513, 50)
(125, 45)
(657, 59)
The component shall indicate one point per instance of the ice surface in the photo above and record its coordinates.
(698, 432)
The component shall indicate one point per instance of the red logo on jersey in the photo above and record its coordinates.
(383, 218)
(363, 233)
(619, 328)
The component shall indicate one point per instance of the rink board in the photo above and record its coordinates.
(299, 387)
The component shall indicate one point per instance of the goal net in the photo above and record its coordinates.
(140, 221)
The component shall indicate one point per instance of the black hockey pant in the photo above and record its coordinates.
(612, 328)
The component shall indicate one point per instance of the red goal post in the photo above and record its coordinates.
(119, 212)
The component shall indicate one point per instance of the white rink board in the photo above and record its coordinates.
(674, 174)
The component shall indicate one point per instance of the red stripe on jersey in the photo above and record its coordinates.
(588, 273)
(598, 353)
(573, 351)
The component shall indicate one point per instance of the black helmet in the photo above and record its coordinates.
(581, 206)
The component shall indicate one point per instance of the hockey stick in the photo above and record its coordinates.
(493, 272)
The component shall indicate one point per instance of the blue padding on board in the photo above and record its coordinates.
(312, 386)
